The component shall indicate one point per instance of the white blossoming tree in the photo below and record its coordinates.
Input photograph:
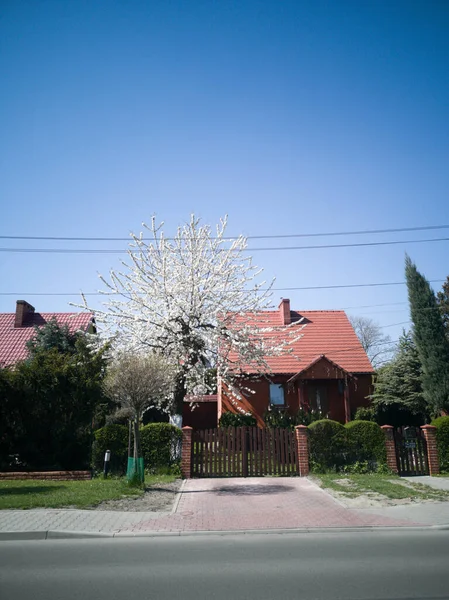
(183, 298)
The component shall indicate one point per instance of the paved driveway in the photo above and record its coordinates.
(227, 505)
(259, 503)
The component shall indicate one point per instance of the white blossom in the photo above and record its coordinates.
(196, 300)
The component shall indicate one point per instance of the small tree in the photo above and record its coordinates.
(430, 339)
(136, 383)
(53, 336)
(398, 386)
(376, 344)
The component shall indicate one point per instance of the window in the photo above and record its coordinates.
(276, 394)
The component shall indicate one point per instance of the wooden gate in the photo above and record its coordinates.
(244, 452)
(411, 451)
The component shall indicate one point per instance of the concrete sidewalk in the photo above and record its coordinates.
(234, 504)
(438, 483)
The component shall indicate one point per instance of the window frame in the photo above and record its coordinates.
(278, 386)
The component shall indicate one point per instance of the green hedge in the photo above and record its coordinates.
(229, 419)
(327, 445)
(114, 438)
(357, 446)
(366, 442)
(161, 445)
(442, 433)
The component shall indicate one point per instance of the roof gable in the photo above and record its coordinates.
(13, 339)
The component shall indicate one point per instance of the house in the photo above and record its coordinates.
(16, 329)
(326, 368)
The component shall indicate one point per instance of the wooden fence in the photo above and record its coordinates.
(244, 452)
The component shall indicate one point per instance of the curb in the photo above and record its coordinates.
(52, 535)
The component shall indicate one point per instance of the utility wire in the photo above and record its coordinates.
(287, 289)
(264, 249)
(249, 237)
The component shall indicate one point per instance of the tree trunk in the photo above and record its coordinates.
(130, 433)
(136, 438)
(180, 393)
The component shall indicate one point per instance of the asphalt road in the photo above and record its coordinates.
(371, 565)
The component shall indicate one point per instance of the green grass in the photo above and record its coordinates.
(24, 493)
(389, 486)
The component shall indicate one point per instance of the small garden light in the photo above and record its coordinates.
(107, 458)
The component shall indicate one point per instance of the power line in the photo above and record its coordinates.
(394, 324)
(249, 237)
(287, 289)
(261, 249)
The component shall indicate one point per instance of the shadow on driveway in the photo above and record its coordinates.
(251, 490)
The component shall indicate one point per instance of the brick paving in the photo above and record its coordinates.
(260, 503)
(219, 505)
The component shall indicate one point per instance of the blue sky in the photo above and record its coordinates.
(291, 117)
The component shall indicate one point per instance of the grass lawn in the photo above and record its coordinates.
(390, 486)
(24, 493)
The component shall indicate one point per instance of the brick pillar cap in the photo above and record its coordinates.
(186, 427)
(301, 427)
(428, 427)
(387, 427)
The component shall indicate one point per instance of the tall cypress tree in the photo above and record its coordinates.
(430, 339)
(443, 303)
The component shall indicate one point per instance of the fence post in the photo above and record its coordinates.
(302, 447)
(186, 455)
(429, 432)
(392, 462)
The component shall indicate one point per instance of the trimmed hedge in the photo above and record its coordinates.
(161, 445)
(327, 445)
(366, 442)
(442, 434)
(229, 419)
(114, 438)
(357, 445)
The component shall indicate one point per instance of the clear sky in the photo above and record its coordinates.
(289, 116)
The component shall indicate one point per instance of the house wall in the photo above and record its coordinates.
(258, 401)
(203, 416)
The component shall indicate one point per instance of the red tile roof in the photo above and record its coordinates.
(13, 339)
(327, 332)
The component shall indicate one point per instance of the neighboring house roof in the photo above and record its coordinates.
(324, 332)
(13, 338)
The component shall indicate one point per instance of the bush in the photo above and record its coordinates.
(275, 417)
(366, 413)
(442, 434)
(161, 446)
(229, 419)
(114, 438)
(328, 445)
(366, 443)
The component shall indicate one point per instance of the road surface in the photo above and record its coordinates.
(366, 565)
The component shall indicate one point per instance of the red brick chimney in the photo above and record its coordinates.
(22, 310)
(284, 311)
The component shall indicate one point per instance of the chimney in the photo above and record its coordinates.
(284, 311)
(22, 310)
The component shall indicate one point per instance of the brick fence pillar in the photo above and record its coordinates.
(186, 456)
(429, 432)
(302, 447)
(392, 462)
